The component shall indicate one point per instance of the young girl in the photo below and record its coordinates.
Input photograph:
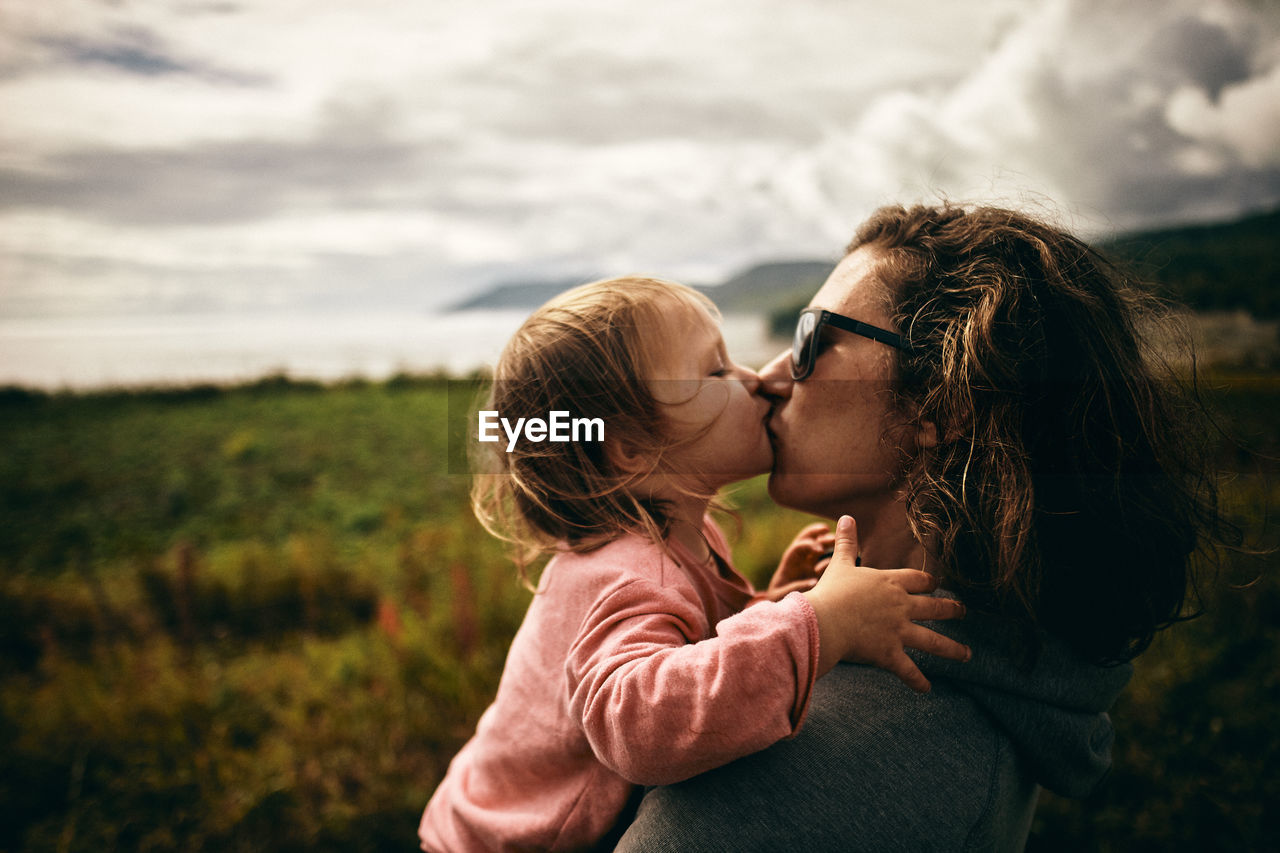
(645, 658)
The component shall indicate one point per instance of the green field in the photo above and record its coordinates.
(262, 618)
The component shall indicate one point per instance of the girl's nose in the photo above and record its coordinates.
(749, 378)
(775, 377)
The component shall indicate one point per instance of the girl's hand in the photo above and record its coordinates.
(802, 562)
(868, 615)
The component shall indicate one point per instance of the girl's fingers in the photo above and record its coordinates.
(906, 669)
(809, 536)
(846, 544)
(919, 637)
(781, 592)
(912, 580)
(922, 607)
(814, 531)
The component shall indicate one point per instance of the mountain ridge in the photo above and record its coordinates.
(1217, 266)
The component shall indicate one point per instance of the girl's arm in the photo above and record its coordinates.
(659, 703)
(661, 700)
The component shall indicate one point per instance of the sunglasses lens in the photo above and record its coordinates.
(802, 346)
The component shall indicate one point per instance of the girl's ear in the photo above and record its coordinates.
(625, 457)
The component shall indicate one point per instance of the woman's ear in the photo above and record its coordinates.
(927, 434)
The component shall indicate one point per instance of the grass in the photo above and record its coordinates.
(262, 618)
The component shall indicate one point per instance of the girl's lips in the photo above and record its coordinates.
(768, 422)
(774, 442)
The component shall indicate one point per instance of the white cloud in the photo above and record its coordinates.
(1070, 107)
(1244, 121)
(384, 142)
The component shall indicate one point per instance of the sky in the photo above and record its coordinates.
(213, 155)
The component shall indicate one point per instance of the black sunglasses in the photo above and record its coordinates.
(804, 346)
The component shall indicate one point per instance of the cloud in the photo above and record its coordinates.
(214, 143)
(135, 50)
(1114, 118)
(1240, 123)
(351, 160)
(351, 262)
(1205, 54)
(44, 43)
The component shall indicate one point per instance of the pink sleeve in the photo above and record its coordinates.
(658, 704)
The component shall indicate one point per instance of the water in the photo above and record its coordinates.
(101, 352)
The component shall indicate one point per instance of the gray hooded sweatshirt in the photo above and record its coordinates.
(880, 767)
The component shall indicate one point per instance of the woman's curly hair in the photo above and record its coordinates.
(1069, 487)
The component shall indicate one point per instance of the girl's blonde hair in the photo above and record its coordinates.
(582, 353)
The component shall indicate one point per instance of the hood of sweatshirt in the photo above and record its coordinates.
(1055, 710)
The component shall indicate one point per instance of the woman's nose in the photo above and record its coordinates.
(775, 377)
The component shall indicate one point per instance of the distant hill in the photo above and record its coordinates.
(1214, 267)
(1222, 267)
(755, 290)
(763, 287)
(1225, 266)
(517, 294)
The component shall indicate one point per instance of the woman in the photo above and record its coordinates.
(976, 388)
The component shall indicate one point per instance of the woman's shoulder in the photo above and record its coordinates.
(864, 732)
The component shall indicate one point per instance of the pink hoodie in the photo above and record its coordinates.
(630, 668)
